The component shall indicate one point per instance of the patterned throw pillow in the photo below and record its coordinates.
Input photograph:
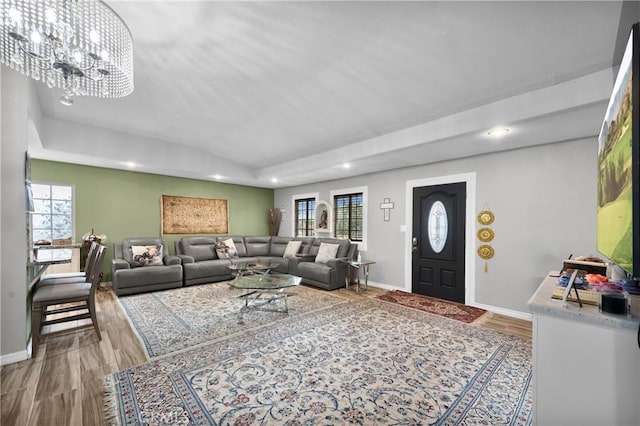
(226, 249)
(146, 255)
(327, 252)
(292, 248)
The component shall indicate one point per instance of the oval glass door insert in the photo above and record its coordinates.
(438, 226)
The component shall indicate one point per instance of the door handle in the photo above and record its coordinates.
(414, 244)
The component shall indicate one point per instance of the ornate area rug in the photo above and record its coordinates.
(365, 362)
(432, 305)
(172, 320)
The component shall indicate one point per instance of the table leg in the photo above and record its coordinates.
(366, 277)
(347, 276)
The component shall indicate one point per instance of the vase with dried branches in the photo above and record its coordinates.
(275, 217)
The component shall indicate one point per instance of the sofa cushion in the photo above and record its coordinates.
(257, 246)
(201, 252)
(278, 244)
(293, 247)
(226, 249)
(327, 252)
(146, 255)
(342, 250)
(238, 240)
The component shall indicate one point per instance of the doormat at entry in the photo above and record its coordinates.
(453, 310)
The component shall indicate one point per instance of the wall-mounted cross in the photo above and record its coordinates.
(387, 206)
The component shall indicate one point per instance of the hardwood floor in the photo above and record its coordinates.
(63, 385)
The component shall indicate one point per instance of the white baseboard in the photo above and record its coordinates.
(504, 311)
(495, 309)
(383, 286)
(15, 357)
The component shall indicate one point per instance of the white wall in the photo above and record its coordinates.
(13, 222)
(543, 199)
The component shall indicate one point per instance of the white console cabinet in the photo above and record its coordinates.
(586, 364)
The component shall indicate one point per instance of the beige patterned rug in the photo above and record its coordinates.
(366, 362)
(172, 320)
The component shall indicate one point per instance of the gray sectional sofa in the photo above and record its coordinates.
(201, 263)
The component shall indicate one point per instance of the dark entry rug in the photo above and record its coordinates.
(456, 311)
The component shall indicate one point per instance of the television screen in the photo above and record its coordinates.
(617, 211)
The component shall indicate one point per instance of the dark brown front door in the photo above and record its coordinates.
(439, 241)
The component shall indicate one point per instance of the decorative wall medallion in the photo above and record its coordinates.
(485, 234)
(486, 217)
(485, 251)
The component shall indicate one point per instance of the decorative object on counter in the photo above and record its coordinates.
(613, 303)
(387, 205)
(87, 239)
(486, 252)
(90, 237)
(62, 241)
(275, 218)
(579, 281)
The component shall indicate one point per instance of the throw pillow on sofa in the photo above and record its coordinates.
(327, 252)
(146, 255)
(292, 248)
(226, 249)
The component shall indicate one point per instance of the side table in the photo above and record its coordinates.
(356, 266)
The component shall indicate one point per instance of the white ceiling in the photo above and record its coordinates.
(292, 90)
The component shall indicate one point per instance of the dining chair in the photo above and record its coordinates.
(75, 296)
(71, 277)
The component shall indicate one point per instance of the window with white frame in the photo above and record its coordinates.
(350, 215)
(52, 216)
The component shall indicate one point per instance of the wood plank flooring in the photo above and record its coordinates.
(63, 384)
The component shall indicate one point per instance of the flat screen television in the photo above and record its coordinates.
(618, 210)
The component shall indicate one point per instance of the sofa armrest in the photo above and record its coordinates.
(339, 269)
(171, 260)
(337, 262)
(117, 264)
(186, 259)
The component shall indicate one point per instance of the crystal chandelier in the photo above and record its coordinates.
(80, 46)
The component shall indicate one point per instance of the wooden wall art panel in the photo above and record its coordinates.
(187, 215)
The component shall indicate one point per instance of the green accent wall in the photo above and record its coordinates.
(122, 204)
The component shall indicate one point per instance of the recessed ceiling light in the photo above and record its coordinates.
(274, 180)
(130, 164)
(498, 131)
(216, 176)
(346, 165)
